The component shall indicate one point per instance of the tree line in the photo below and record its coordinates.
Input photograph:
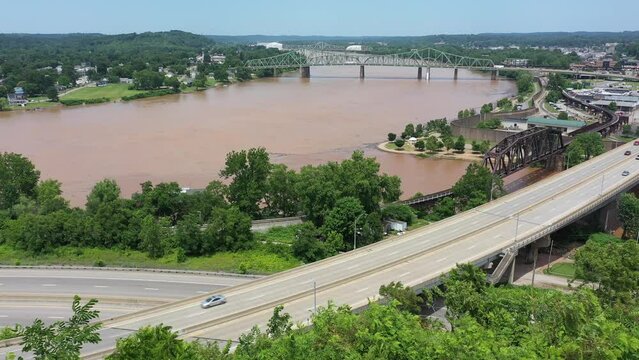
(161, 218)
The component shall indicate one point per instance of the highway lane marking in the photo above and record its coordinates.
(202, 292)
(404, 274)
(474, 222)
(441, 259)
(256, 297)
(471, 247)
(49, 285)
(196, 314)
(393, 253)
(361, 290)
(55, 317)
(151, 289)
(100, 286)
(496, 236)
(4, 316)
(352, 267)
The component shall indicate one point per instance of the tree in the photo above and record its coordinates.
(408, 300)
(49, 197)
(220, 74)
(281, 197)
(147, 80)
(444, 208)
(188, 235)
(52, 93)
(399, 143)
(460, 144)
(399, 212)
(153, 237)
(419, 145)
(172, 82)
(629, 214)
(310, 245)
(341, 219)
(103, 192)
(562, 115)
(483, 146)
(228, 230)
(432, 144)
(583, 147)
(279, 324)
(449, 142)
(486, 108)
(612, 106)
(409, 130)
(626, 129)
(249, 171)
(524, 82)
(243, 74)
(154, 342)
(4, 104)
(63, 339)
(392, 137)
(18, 177)
(475, 186)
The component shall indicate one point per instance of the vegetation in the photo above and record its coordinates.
(584, 147)
(462, 114)
(629, 215)
(489, 124)
(210, 229)
(399, 142)
(562, 269)
(110, 91)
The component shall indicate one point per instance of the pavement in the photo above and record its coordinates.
(26, 294)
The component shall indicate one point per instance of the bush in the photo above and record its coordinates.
(152, 93)
(399, 143)
(99, 263)
(399, 212)
(392, 136)
(74, 102)
(420, 145)
(489, 124)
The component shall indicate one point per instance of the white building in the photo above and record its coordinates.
(354, 48)
(272, 45)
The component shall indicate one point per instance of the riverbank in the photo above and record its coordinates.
(408, 149)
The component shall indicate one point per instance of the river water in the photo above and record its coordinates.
(184, 138)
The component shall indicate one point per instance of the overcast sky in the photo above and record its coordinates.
(323, 17)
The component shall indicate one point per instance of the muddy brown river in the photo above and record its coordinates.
(184, 138)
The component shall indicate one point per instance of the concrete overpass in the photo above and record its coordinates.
(417, 259)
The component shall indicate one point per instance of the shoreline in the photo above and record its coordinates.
(468, 155)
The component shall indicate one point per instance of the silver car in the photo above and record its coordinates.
(214, 300)
(625, 173)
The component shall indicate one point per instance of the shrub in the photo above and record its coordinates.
(399, 143)
(392, 136)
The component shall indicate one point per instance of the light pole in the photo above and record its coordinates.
(552, 241)
(535, 252)
(314, 297)
(516, 227)
(602, 184)
(355, 231)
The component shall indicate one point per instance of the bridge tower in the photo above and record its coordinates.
(361, 71)
(305, 71)
(455, 74)
(419, 73)
(428, 73)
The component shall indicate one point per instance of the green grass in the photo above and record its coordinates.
(562, 269)
(549, 108)
(8, 332)
(279, 234)
(38, 105)
(418, 223)
(111, 91)
(259, 261)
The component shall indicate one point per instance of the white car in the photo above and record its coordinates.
(214, 300)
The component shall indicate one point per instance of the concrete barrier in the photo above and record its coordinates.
(131, 269)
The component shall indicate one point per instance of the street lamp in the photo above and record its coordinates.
(517, 227)
(355, 231)
(314, 297)
(492, 187)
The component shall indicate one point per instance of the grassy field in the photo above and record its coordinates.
(259, 261)
(550, 109)
(111, 91)
(562, 269)
(278, 234)
(37, 105)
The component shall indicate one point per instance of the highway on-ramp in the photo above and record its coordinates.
(417, 259)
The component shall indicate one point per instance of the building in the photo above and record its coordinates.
(566, 126)
(516, 62)
(272, 45)
(19, 97)
(515, 124)
(354, 48)
(395, 225)
(218, 59)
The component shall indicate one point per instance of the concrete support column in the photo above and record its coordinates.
(511, 276)
(419, 73)
(427, 73)
(361, 71)
(305, 71)
(609, 216)
(455, 74)
(493, 75)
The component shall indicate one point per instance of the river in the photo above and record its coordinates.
(184, 138)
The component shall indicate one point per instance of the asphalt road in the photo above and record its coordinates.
(416, 258)
(26, 294)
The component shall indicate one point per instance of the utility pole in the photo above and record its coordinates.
(552, 241)
(535, 251)
(314, 297)
(355, 231)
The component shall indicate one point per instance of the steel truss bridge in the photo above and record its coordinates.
(323, 54)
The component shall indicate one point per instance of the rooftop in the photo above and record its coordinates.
(556, 122)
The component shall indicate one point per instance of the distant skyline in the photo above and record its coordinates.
(327, 17)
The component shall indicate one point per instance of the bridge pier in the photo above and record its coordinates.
(428, 73)
(455, 74)
(361, 71)
(511, 276)
(609, 216)
(305, 71)
(493, 75)
(419, 73)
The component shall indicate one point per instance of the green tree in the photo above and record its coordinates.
(399, 142)
(188, 235)
(173, 83)
(629, 214)
(392, 137)
(154, 237)
(612, 106)
(228, 230)
(282, 198)
(486, 108)
(399, 212)
(432, 144)
(49, 197)
(155, 342)
(147, 80)
(460, 144)
(583, 147)
(475, 186)
(311, 245)
(420, 145)
(341, 218)
(103, 192)
(562, 115)
(449, 142)
(18, 177)
(409, 130)
(249, 171)
(4, 104)
(408, 300)
(243, 74)
(279, 324)
(220, 74)
(63, 340)
(444, 208)
(52, 93)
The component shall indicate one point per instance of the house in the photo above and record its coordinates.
(566, 126)
(218, 59)
(126, 81)
(19, 97)
(515, 124)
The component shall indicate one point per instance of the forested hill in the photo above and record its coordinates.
(38, 50)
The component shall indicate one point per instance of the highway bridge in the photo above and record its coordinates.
(323, 54)
(418, 258)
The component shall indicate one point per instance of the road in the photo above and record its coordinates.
(26, 294)
(416, 259)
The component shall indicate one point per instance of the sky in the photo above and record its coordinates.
(323, 17)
